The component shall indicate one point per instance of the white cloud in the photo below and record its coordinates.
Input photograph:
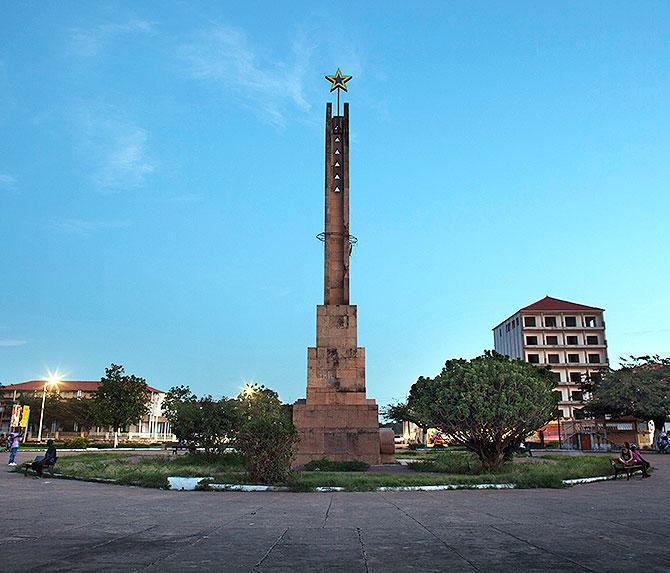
(6, 342)
(125, 162)
(223, 55)
(114, 150)
(90, 42)
(84, 228)
(7, 181)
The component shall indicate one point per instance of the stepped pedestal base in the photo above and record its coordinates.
(339, 432)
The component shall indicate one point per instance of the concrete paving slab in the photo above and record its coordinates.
(61, 525)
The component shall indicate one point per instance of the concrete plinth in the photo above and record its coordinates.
(338, 432)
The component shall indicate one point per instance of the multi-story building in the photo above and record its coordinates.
(152, 426)
(566, 336)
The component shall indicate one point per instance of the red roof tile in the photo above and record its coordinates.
(63, 386)
(550, 303)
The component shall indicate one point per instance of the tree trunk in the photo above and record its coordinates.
(116, 437)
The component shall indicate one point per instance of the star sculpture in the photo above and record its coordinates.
(338, 81)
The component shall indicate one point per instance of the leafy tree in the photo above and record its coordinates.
(268, 441)
(640, 388)
(121, 399)
(82, 411)
(211, 424)
(256, 400)
(181, 411)
(488, 404)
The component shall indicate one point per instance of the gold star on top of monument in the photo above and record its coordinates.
(338, 81)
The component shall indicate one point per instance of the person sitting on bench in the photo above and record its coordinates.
(639, 461)
(625, 458)
(49, 459)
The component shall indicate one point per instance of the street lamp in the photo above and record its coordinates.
(248, 391)
(51, 380)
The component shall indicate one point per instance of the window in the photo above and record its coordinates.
(507, 327)
(589, 321)
(591, 340)
(575, 377)
(534, 358)
(594, 358)
(550, 321)
(577, 396)
(595, 377)
(552, 340)
(561, 413)
(572, 340)
(531, 340)
(529, 321)
(570, 321)
(557, 377)
(573, 357)
(559, 394)
(552, 358)
(579, 414)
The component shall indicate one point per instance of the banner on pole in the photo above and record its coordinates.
(25, 414)
(16, 416)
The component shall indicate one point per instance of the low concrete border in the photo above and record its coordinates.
(246, 487)
(180, 483)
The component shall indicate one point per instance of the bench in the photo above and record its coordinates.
(176, 446)
(26, 467)
(628, 469)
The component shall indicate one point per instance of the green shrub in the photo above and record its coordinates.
(267, 443)
(326, 465)
(231, 459)
(451, 463)
(77, 443)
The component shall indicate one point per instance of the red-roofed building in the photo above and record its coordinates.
(152, 427)
(567, 336)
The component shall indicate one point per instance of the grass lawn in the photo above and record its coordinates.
(441, 468)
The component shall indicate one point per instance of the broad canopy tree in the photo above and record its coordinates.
(488, 404)
(640, 388)
(207, 422)
(121, 399)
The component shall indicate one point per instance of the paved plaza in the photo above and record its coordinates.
(58, 525)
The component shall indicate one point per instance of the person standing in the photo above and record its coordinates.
(13, 442)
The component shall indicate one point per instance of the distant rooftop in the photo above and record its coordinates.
(63, 386)
(550, 303)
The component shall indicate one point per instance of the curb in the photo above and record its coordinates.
(449, 486)
(178, 483)
(245, 487)
(441, 487)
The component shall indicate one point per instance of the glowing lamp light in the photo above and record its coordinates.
(53, 378)
(248, 390)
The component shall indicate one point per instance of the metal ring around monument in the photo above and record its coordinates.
(352, 240)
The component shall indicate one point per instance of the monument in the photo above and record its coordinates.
(336, 420)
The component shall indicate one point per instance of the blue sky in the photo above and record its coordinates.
(161, 181)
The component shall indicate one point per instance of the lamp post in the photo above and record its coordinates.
(52, 380)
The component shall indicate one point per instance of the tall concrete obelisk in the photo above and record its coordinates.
(336, 420)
